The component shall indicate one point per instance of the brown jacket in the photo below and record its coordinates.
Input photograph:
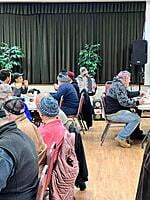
(31, 130)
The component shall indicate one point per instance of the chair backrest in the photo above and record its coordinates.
(80, 104)
(61, 101)
(41, 186)
(107, 85)
(51, 158)
(103, 104)
(46, 173)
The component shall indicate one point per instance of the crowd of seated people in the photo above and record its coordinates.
(14, 123)
(18, 126)
(66, 91)
(68, 95)
(34, 143)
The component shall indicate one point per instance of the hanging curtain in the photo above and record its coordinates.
(52, 34)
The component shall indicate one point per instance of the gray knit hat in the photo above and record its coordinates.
(49, 107)
(63, 77)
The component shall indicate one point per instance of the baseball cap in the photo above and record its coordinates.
(14, 106)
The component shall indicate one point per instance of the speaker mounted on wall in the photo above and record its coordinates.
(138, 52)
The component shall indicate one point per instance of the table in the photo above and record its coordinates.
(30, 101)
(145, 107)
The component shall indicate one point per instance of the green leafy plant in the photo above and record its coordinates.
(89, 58)
(10, 57)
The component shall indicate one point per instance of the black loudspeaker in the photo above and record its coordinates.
(138, 52)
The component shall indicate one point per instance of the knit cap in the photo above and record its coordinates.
(123, 74)
(63, 77)
(83, 70)
(71, 74)
(49, 107)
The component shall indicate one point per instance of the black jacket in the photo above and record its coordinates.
(143, 190)
(87, 110)
(23, 184)
(79, 149)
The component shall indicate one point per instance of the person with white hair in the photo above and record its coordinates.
(85, 81)
(120, 104)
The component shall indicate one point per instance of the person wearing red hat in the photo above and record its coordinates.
(71, 75)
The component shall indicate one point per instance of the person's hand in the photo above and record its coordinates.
(133, 110)
(141, 101)
(56, 86)
(142, 93)
(25, 83)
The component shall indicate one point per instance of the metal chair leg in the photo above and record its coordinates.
(81, 125)
(104, 133)
(84, 124)
(145, 139)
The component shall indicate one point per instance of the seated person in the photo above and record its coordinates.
(119, 102)
(69, 94)
(66, 121)
(73, 81)
(5, 88)
(19, 86)
(87, 82)
(16, 109)
(52, 129)
(18, 162)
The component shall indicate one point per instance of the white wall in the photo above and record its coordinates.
(147, 37)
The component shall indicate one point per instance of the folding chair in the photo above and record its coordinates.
(79, 115)
(61, 101)
(41, 186)
(109, 124)
(146, 139)
(46, 175)
(107, 85)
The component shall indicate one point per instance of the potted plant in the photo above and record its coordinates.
(10, 57)
(89, 58)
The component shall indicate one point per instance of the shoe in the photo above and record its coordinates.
(122, 143)
(82, 186)
(129, 141)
